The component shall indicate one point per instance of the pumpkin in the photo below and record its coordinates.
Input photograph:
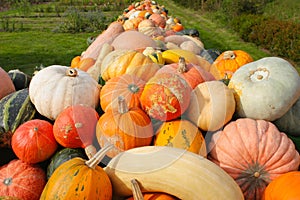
(126, 85)
(22, 180)
(253, 152)
(75, 127)
(181, 134)
(284, 187)
(6, 84)
(124, 128)
(212, 105)
(229, 61)
(56, 87)
(33, 141)
(79, 179)
(265, 89)
(132, 24)
(192, 73)
(119, 62)
(133, 40)
(84, 64)
(20, 79)
(166, 96)
(158, 19)
(62, 156)
(149, 28)
(15, 109)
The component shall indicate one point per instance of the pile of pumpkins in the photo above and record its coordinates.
(146, 112)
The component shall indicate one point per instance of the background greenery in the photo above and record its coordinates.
(40, 32)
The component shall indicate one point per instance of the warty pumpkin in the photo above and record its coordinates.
(56, 87)
(253, 152)
(22, 180)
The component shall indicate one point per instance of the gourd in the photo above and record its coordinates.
(22, 180)
(15, 109)
(33, 141)
(20, 79)
(124, 128)
(79, 179)
(212, 105)
(6, 84)
(253, 152)
(153, 165)
(265, 89)
(75, 127)
(149, 28)
(126, 85)
(181, 133)
(56, 87)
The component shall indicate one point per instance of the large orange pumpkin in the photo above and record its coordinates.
(254, 153)
(22, 180)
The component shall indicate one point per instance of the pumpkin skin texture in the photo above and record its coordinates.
(181, 134)
(126, 85)
(22, 180)
(212, 105)
(6, 84)
(156, 196)
(75, 127)
(56, 87)
(119, 62)
(124, 128)
(166, 96)
(284, 187)
(229, 61)
(254, 153)
(265, 89)
(33, 141)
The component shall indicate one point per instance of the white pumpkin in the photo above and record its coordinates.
(56, 87)
(265, 89)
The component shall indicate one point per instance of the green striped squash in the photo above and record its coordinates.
(15, 109)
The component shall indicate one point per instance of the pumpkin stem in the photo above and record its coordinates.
(96, 159)
(181, 65)
(71, 72)
(136, 190)
(90, 151)
(123, 108)
(229, 55)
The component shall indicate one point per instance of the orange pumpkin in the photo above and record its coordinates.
(284, 187)
(124, 128)
(82, 63)
(254, 153)
(132, 24)
(158, 19)
(126, 85)
(22, 180)
(166, 96)
(75, 127)
(156, 196)
(228, 62)
(33, 141)
(6, 84)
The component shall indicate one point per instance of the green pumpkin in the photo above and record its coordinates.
(20, 79)
(15, 109)
(62, 156)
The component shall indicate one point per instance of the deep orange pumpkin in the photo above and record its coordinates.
(75, 127)
(22, 180)
(166, 96)
(254, 153)
(125, 128)
(33, 141)
(156, 196)
(126, 85)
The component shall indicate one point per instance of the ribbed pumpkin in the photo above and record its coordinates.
(181, 134)
(75, 127)
(229, 61)
(192, 73)
(126, 85)
(21, 180)
(56, 87)
(254, 153)
(33, 141)
(166, 96)
(79, 179)
(6, 84)
(119, 62)
(15, 109)
(284, 187)
(124, 128)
